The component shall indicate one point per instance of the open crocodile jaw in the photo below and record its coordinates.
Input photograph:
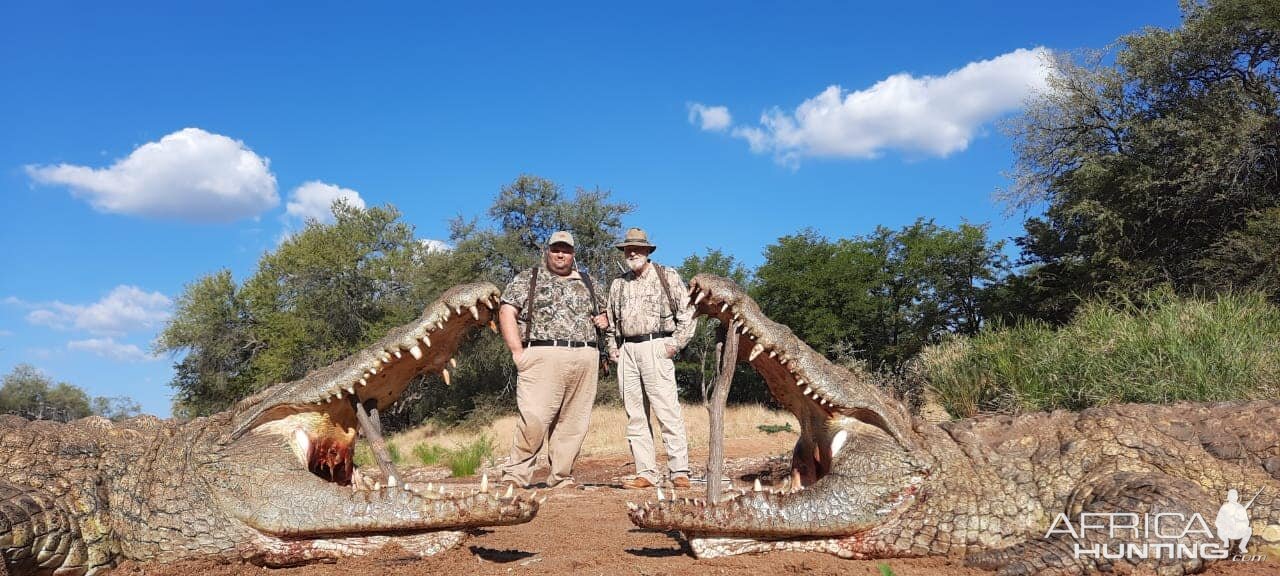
(306, 431)
(835, 410)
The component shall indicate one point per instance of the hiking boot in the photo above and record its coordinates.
(637, 483)
(681, 482)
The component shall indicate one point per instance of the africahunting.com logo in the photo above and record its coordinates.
(1125, 535)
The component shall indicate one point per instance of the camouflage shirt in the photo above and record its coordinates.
(638, 306)
(561, 308)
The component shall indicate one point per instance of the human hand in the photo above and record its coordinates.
(671, 351)
(601, 321)
(516, 357)
(613, 356)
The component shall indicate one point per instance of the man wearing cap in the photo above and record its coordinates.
(549, 319)
(652, 320)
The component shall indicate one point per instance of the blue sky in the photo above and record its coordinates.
(143, 145)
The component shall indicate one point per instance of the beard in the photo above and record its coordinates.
(637, 263)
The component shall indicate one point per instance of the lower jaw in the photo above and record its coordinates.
(854, 547)
(279, 552)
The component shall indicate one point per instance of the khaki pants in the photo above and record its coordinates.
(645, 373)
(554, 392)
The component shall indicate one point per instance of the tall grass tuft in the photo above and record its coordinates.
(429, 454)
(466, 459)
(1170, 349)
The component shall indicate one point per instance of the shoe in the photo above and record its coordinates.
(637, 483)
(566, 484)
(681, 482)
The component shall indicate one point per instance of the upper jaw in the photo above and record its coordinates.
(801, 379)
(381, 371)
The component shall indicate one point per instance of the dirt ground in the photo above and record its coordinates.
(586, 531)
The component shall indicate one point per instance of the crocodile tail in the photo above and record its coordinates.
(37, 535)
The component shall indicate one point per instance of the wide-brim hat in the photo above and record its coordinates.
(635, 237)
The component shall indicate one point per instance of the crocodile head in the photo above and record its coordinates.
(282, 466)
(855, 466)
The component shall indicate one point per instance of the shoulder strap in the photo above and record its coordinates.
(591, 292)
(666, 288)
(528, 305)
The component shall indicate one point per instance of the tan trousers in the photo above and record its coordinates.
(554, 392)
(647, 380)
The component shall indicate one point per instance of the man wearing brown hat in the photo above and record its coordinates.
(549, 317)
(651, 322)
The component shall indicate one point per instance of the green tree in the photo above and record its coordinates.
(880, 298)
(322, 294)
(31, 394)
(1147, 164)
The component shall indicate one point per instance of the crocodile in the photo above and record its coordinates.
(270, 481)
(1053, 493)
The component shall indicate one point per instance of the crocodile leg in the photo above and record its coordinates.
(1123, 498)
(37, 534)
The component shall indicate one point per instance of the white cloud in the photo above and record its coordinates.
(6, 333)
(709, 118)
(188, 175)
(125, 309)
(314, 199)
(109, 348)
(436, 245)
(930, 115)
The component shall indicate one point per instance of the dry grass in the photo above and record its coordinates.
(607, 434)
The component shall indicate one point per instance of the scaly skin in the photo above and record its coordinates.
(879, 483)
(269, 481)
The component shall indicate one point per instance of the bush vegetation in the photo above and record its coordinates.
(1167, 349)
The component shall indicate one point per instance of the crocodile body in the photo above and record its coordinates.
(869, 480)
(270, 481)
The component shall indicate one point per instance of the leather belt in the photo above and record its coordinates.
(646, 337)
(565, 343)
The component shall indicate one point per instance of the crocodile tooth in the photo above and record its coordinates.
(443, 491)
(484, 482)
(493, 327)
(800, 382)
(458, 310)
(755, 352)
(384, 356)
(392, 481)
(757, 486)
(660, 498)
(699, 297)
(475, 313)
(773, 353)
(724, 306)
(373, 370)
(431, 486)
(416, 352)
(364, 382)
(631, 506)
(837, 442)
(808, 391)
(426, 340)
(377, 486)
(511, 490)
(453, 362)
(407, 487)
(398, 354)
(351, 389)
(445, 373)
(338, 394)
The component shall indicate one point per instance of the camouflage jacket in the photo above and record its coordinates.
(639, 306)
(561, 308)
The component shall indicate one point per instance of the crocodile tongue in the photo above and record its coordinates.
(371, 428)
